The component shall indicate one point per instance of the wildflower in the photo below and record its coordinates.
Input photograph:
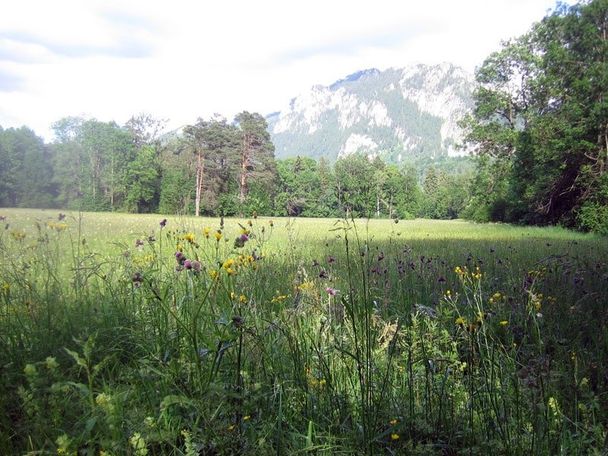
(51, 363)
(139, 444)
(18, 235)
(448, 293)
(213, 274)
(218, 235)
(503, 323)
(206, 232)
(394, 436)
(246, 417)
(393, 422)
(102, 399)
(240, 240)
(305, 286)
(231, 427)
(249, 222)
(331, 291)
(188, 264)
(228, 263)
(331, 259)
(63, 444)
(242, 299)
(163, 223)
(60, 217)
(139, 243)
(180, 258)
(271, 223)
(460, 321)
(29, 370)
(196, 266)
(137, 279)
(189, 237)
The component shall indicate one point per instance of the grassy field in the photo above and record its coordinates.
(129, 334)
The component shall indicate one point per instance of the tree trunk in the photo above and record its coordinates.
(244, 164)
(200, 169)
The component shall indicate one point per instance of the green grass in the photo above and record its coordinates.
(443, 337)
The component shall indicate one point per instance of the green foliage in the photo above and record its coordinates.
(212, 168)
(540, 112)
(25, 174)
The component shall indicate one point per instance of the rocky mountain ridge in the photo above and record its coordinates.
(397, 114)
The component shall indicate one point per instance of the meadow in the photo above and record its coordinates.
(152, 335)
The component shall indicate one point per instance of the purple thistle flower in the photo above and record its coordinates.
(60, 217)
(331, 291)
(163, 223)
(196, 266)
(188, 264)
(180, 258)
(139, 243)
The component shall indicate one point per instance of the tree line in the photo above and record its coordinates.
(212, 167)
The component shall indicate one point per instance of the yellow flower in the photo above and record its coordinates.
(393, 422)
(206, 232)
(460, 321)
(213, 274)
(395, 436)
(218, 235)
(242, 299)
(231, 427)
(503, 323)
(228, 263)
(189, 237)
(246, 418)
(18, 235)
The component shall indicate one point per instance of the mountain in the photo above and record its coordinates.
(397, 114)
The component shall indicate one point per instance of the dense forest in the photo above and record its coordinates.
(214, 167)
(539, 132)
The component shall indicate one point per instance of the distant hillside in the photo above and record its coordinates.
(398, 114)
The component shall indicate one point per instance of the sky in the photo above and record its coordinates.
(180, 60)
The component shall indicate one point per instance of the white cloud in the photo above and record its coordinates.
(184, 59)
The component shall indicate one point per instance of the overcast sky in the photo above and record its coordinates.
(180, 60)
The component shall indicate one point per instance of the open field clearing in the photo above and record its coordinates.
(140, 334)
